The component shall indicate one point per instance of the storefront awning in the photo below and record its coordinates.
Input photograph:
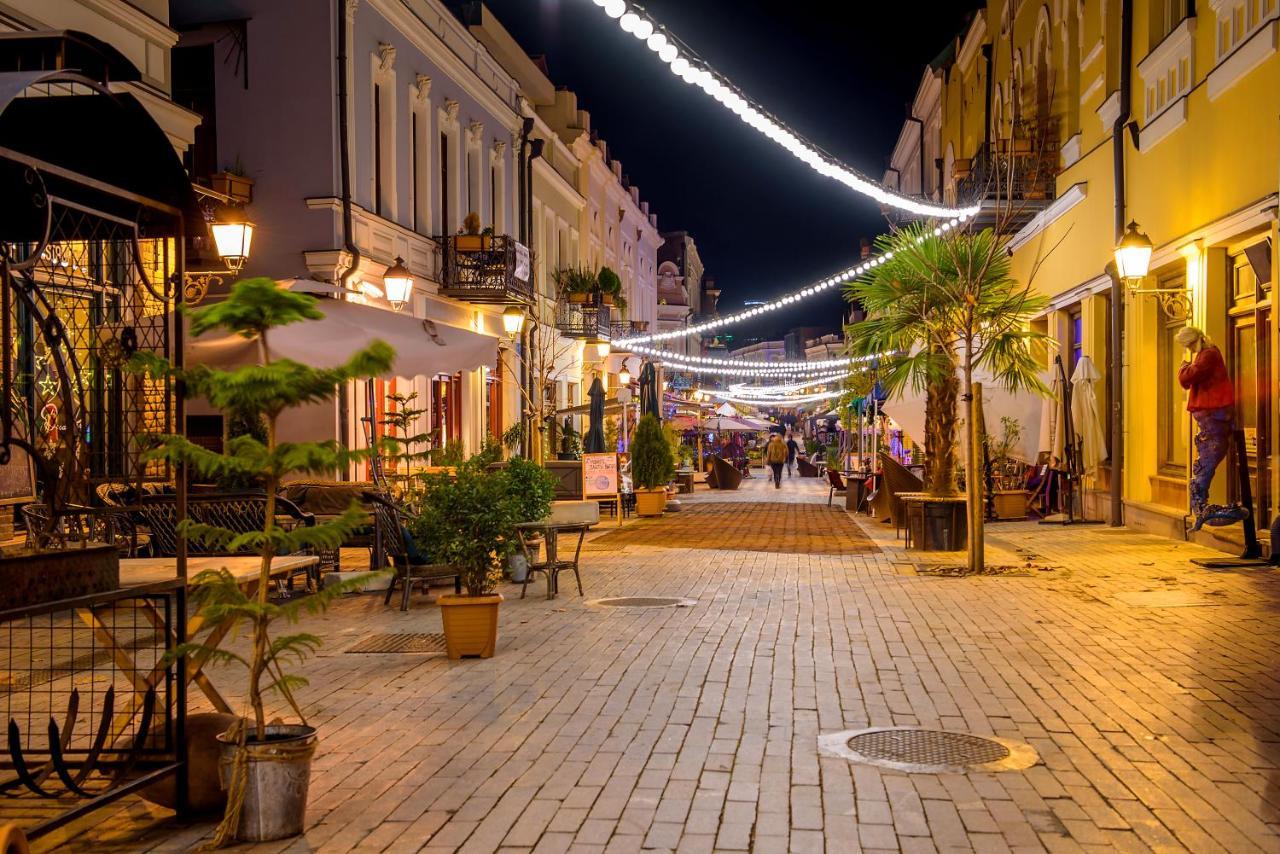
(423, 347)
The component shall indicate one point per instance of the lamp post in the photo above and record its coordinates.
(1133, 264)
(513, 319)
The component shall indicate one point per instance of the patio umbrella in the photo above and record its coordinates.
(649, 391)
(594, 442)
(1084, 414)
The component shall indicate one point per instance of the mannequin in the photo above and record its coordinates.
(1211, 402)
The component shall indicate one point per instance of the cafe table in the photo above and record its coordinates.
(141, 572)
(550, 529)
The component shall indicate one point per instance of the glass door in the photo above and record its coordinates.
(1250, 366)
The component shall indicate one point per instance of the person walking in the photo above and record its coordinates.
(775, 454)
(793, 448)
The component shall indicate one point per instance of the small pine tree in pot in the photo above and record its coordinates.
(652, 466)
(255, 754)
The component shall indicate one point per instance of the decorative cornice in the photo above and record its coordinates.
(421, 88)
(386, 57)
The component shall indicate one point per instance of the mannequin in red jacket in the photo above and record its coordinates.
(1211, 402)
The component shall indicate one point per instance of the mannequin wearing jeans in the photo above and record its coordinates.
(1211, 402)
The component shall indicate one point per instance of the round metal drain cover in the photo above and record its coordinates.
(928, 750)
(644, 602)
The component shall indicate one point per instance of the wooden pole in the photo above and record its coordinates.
(974, 483)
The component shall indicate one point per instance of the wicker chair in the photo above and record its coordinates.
(80, 526)
(838, 486)
(389, 530)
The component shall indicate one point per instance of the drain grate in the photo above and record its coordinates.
(400, 643)
(927, 747)
(644, 602)
(928, 750)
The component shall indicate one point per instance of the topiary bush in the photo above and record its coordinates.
(652, 464)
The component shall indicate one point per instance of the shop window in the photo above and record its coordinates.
(1075, 341)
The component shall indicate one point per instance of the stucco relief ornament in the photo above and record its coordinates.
(499, 149)
(422, 88)
(352, 5)
(386, 57)
(451, 109)
(475, 133)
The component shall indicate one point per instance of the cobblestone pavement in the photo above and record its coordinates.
(1147, 686)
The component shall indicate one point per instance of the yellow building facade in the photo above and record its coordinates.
(1198, 170)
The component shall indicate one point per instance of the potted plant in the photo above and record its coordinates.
(402, 418)
(532, 490)
(652, 466)
(255, 754)
(468, 238)
(468, 521)
(576, 284)
(486, 238)
(610, 287)
(234, 181)
(1008, 498)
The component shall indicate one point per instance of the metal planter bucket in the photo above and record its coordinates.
(278, 773)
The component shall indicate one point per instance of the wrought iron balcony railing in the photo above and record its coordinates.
(625, 328)
(484, 268)
(589, 321)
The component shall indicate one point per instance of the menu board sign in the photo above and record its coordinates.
(599, 475)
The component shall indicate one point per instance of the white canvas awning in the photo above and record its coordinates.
(423, 347)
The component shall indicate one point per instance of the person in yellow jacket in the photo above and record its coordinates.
(775, 454)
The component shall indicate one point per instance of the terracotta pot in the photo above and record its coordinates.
(204, 793)
(651, 502)
(470, 624)
(607, 299)
(580, 299)
(1010, 503)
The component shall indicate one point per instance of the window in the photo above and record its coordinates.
(377, 149)
(493, 197)
(446, 223)
(1076, 341)
(1238, 20)
(1165, 15)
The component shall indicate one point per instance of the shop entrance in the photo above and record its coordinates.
(1249, 358)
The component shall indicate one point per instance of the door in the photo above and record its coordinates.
(1250, 366)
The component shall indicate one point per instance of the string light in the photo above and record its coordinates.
(770, 390)
(778, 401)
(807, 366)
(686, 65)
(843, 277)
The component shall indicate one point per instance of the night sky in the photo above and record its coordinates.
(840, 72)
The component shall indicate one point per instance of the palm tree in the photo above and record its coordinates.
(944, 306)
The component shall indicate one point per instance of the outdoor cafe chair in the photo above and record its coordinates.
(397, 547)
(838, 486)
(79, 526)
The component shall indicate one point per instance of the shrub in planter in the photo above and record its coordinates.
(468, 521)
(265, 767)
(532, 490)
(652, 466)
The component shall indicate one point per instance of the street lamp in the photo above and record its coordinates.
(602, 349)
(398, 283)
(1133, 256)
(624, 376)
(232, 235)
(1133, 263)
(512, 320)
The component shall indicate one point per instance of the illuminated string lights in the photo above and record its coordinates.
(780, 366)
(782, 400)
(843, 277)
(685, 64)
(749, 390)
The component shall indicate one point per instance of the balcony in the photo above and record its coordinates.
(589, 321)
(491, 269)
(625, 328)
(1013, 180)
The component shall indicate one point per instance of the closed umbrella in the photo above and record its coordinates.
(594, 442)
(649, 391)
(1084, 414)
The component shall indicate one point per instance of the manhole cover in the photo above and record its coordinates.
(644, 602)
(407, 642)
(928, 750)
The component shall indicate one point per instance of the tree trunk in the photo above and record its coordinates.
(940, 433)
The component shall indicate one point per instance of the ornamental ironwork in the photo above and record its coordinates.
(484, 268)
